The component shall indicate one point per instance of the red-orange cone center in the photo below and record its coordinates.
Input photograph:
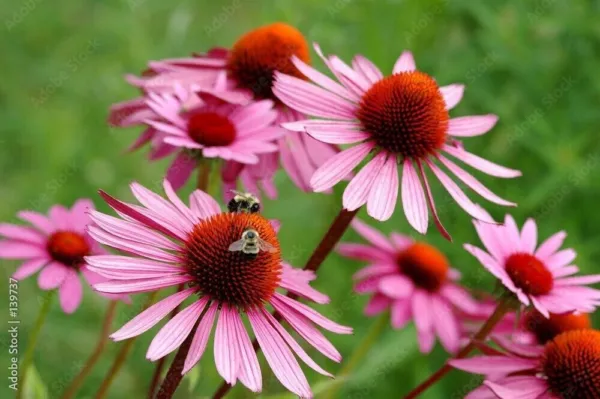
(211, 129)
(68, 247)
(424, 265)
(529, 274)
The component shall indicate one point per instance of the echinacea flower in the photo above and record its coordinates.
(55, 245)
(567, 367)
(400, 119)
(171, 244)
(541, 276)
(250, 65)
(413, 280)
(205, 125)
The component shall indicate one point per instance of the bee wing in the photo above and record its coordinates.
(265, 246)
(237, 245)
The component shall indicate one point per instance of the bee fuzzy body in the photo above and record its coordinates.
(244, 202)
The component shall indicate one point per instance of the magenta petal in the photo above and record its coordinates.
(521, 388)
(481, 164)
(200, 339)
(20, 233)
(405, 63)
(358, 190)
(339, 167)
(29, 268)
(249, 368)
(445, 324)
(413, 198)
(21, 250)
(39, 221)
(494, 365)
(374, 236)
(227, 358)
(396, 286)
(180, 170)
(384, 194)
(52, 276)
(551, 245)
(141, 285)
(401, 313)
(70, 292)
(469, 126)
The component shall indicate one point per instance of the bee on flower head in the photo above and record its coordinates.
(243, 202)
(251, 243)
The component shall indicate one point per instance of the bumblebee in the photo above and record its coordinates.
(243, 202)
(251, 243)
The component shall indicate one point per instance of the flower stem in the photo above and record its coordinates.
(35, 333)
(174, 375)
(106, 327)
(332, 237)
(359, 354)
(504, 305)
(121, 356)
(204, 167)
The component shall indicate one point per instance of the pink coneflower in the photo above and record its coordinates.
(536, 275)
(172, 244)
(56, 246)
(401, 119)
(414, 281)
(205, 126)
(566, 367)
(250, 66)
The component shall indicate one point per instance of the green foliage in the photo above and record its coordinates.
(534, 63)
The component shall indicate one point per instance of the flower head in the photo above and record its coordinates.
(414, 280)
(541, 276)
(567, 367)
(171, 244)
(55, 245)
(401, 119)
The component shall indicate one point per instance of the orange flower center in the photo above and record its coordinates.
(571, 362)
(424, 265)
(406, 114)
(546, 329)
(68, 248)
(210, 129)
(259, 53)
(239, 279)
(529, 274)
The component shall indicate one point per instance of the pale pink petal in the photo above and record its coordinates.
(521, 388)
(335, 135)
(52, 276)
(529, 236)
(384, 193)
(580, 280)
(29, 268)
(128, 268)
(339, 167)
(249, 368)
(321, 79)
(321, 124)
(310, 99)
(481, 164)
(293, 344)
(400, 241)
(70, 292)
(80, 214)
(281, 301)
(172, 334)
(445, 324)
(421, 313)
(20, 233)
(560, 259)
(278, 355)
(490, 365)
(355, 92)
(182, 142)
(227, 358)
(180, 170)
(364, 252)
(405, 63)
(487, 261)
(551, 245)
(377, 304)
(469, 126)
(177, 202)
(459, 196)
(375, 270)
(21, 250)
(396, 286)
(348, 76)
(473, 183)
(164, 210)
(60, 217)
(373, 236)
(358, 190)
(200, 339)
(452, 94)
(413, 198)
(565, 271)
(401, 313)
(301, 288)
(460, 298)
(523, 350)
(369, 70)
(151, 316)
(203, 205)
(141, 285)
(39, 221)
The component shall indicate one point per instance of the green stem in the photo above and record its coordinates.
(33, 338)
(359, 354)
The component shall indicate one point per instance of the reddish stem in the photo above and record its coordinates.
(331, 238)
(501, 309)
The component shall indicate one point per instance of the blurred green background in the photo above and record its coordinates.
(534, 63)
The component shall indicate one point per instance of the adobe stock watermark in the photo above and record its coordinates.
(13, 333)
(18, 16)
(73, 65)
(222, 17)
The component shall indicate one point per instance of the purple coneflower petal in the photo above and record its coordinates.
(249, 368)
(396, 286)
(20, 233)
(59, 215)
(405, 63)
(401, 313)
(384, 193)
(490, 365)
(560, 259)
(203, 205)
(481, 164)
(377, 304)
(373, 236)
(52, 276)
(529, 236)
(358, 190)
(70, 292)
(180, 170)
(413, 198)
(201, 337)
(551, 245)
(369, 70)
(339, 167)
(227, 358)
(470, 126)
(529, 387)
(39, 221)
(141, 285)
(21, 250)
(452, 94)
(445, 324)
(29, 268)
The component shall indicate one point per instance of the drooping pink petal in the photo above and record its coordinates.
(413, 198)
(401, 313)
(52, 276)
(579, 280)
(151, 316)
(358, 190)
(405, 63)
(29, 268)
(481, 164)
(278, 355)
(21, 233)
(452, 94)
(422, 315)
(375, 270)
(141, 285)
(445, 324)
(227, 358)
(363, 252)
(431, 204)
(201, 337)
(172, 335)
(368, 70)
(493, 365)
(384, 193)
(339, 167)
(322, 80)
(396, 286)
(21, 250)
(377, 304)
(249, 368)
(373, 236)
(180, 170)
(460, 298)
(519, 387)
(203, 205)
(336, 135)
(469, 126)
(70, 292)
